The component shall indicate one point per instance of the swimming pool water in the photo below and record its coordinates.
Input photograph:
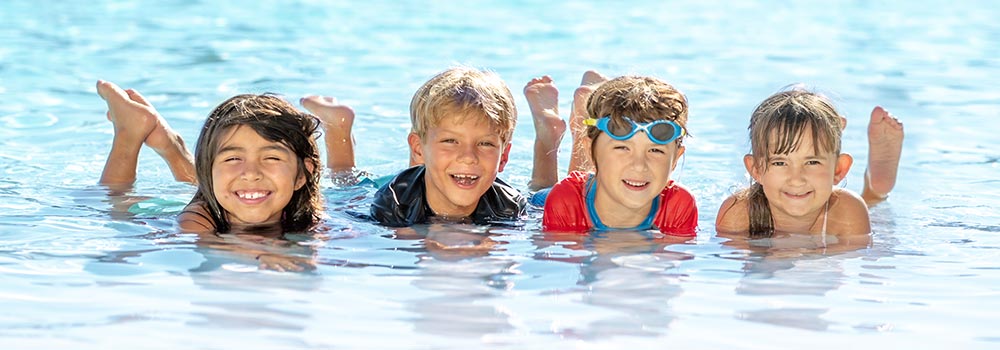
(76, 274)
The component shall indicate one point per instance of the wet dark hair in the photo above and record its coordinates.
(275, 120)
(776, 127)
(642, 99)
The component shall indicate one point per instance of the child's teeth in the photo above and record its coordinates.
(251, 195)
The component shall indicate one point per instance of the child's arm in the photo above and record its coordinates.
(678, 212)
(733, 216)
(565, 209)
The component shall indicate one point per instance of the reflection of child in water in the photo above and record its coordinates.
(599, 251)
(627, 272)
(449, 241)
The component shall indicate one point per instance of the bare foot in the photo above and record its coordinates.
(592, 78)
(337, 120)
(162, 139)
(543, 100)
(588, 83)
(885, 144)
(133, 121)
(166, 142)
(132, 124)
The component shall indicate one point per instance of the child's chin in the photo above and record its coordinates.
(464, 202)
(254, 222)
(637, 203)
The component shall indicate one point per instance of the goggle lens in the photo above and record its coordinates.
(659, 131)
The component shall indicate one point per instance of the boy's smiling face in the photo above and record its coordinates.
(462, 156)
(630, 174)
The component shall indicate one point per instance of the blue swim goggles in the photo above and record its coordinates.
(661, 132)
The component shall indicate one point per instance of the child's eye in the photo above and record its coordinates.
(657, 150)
(231, 159)
(813, 162)
(449, 141)
(487, 144)
(778, 163)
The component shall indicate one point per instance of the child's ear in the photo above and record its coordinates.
(844, 162)
(680, 152)
(503, 157)
(416, 151)
(751, 166)
(301, 180)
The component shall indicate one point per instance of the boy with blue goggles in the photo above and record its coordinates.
(661, 132)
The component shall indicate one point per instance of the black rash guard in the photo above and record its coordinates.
(402, 202)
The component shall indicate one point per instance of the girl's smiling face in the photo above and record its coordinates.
(798, 184)
(253, 178)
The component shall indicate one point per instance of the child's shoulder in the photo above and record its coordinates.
(733, 215)
(848, 213)
(506, 192)
(575, 177)
(195, 218)
(846, 201)
(573, 183)
(676, 188)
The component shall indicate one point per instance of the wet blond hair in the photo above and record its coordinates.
(465, 92)
(777, 126)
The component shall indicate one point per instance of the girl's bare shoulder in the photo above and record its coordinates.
(733, 216)
(848, 213)
(195, 218)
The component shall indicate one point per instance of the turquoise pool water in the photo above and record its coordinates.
(76, 274)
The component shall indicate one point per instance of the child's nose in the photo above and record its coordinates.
(467, 154)
(250, 171)
(797, 175)
(640, 162)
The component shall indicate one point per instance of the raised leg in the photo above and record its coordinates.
(543, 100)
(885, 145)
(132, 124)
(337, 120)
(166, 142)
(579, 159)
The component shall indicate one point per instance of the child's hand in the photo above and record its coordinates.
(458, 240)
(283, 263)
(456, 246)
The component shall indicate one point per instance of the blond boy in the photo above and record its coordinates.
(462, 121)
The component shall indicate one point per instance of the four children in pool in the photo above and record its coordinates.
(462, 120)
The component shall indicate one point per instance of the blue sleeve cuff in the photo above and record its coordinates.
(538, 198)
